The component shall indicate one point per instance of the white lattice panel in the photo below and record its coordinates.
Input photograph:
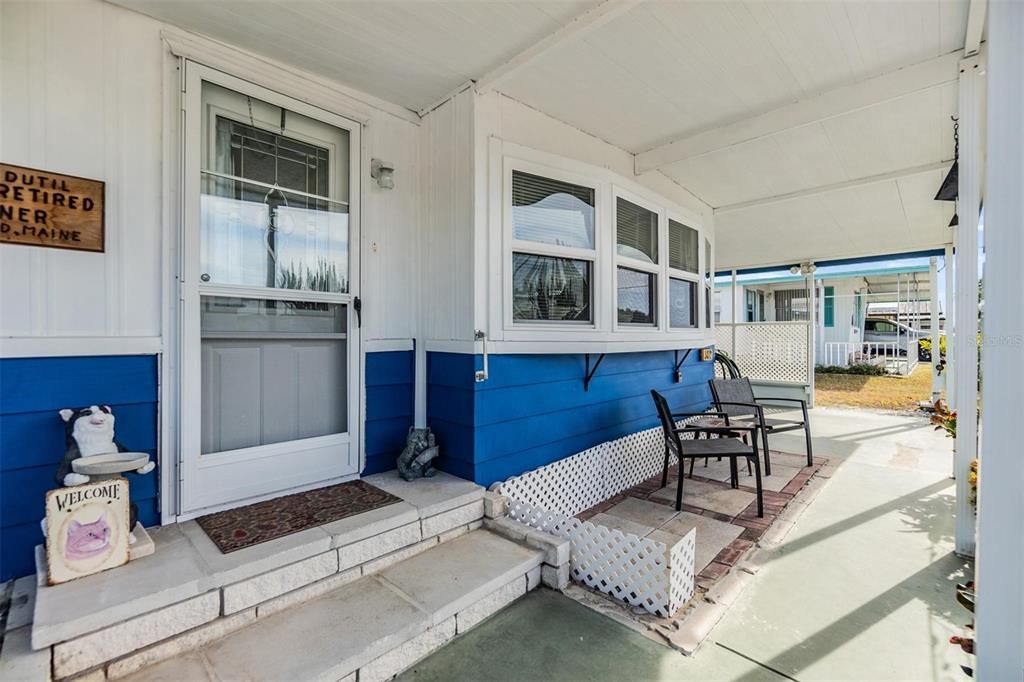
(632, 459)
(682, 558)
(772, 351)
(723, 338)
(550, 522)
(568, 486)
(628, 567)
(633, 569)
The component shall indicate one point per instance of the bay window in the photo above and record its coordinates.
(586, 255)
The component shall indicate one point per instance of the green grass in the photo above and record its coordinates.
(883, 393)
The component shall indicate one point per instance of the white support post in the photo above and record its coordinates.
(949, 374)
(999, 612)
(972, 88)
(933, 323)
(811, 337)
(735, 308)
(897, 301)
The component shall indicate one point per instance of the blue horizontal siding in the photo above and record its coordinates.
(390, 399)
(532, 410)
(32, 390)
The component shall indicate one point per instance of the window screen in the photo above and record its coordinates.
(637, 297)
(682, 303)
(549, 288)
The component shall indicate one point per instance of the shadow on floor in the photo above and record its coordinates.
(921, 508)
(934, 585)
(546, 636)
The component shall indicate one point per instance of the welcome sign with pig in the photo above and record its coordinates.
(86, 529)
(39, 208)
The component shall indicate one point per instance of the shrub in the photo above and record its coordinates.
(859, 369)
(926, 345)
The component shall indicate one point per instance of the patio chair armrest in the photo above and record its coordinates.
(783, 400)
(755, 406)
(800, 401)
(721, 430)
(687, 415)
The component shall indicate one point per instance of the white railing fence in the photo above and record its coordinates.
(767, 351)
(897, 358)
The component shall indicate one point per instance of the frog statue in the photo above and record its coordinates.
(420, 450)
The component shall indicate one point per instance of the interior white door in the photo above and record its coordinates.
(270, 348)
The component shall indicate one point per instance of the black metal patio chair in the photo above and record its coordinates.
(725, 445)
(735, 397)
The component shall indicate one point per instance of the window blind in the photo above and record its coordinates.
(683, 247)
(550, 211)
(636, 231)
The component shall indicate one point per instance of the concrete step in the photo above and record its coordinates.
(377, 625)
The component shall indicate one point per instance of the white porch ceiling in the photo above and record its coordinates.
(668, 69)
(644, 73)
(410, 52)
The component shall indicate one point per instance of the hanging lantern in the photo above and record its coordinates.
(951, 185)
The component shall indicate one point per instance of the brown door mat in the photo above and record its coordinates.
(243, 527)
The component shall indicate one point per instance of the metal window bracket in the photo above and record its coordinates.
(591, 370)
(678, 374)
(481, 374)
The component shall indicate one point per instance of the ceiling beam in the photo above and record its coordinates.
(829, 104)
(846, 184)
(581, 25)
(975, 26)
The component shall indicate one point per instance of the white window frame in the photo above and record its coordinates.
(513, 246)
(675, 273)
(707, 301)
(659, 269)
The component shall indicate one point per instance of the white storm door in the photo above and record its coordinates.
(270, 347)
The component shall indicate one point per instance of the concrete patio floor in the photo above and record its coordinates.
(862, 587)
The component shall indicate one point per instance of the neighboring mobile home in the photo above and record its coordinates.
(844, 299)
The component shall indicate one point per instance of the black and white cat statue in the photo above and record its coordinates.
(89, 431)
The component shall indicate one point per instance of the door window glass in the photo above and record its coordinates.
(274, 203)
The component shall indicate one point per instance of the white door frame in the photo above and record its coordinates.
(188, 504)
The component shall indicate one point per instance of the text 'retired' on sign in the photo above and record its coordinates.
(38, 208)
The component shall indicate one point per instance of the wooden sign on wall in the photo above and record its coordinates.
(38, 208)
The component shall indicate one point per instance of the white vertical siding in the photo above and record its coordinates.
(447, 244)
(82, 93)
(390, 234)
(81, 87)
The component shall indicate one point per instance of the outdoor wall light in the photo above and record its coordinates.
(804, 269)
(383, 172)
